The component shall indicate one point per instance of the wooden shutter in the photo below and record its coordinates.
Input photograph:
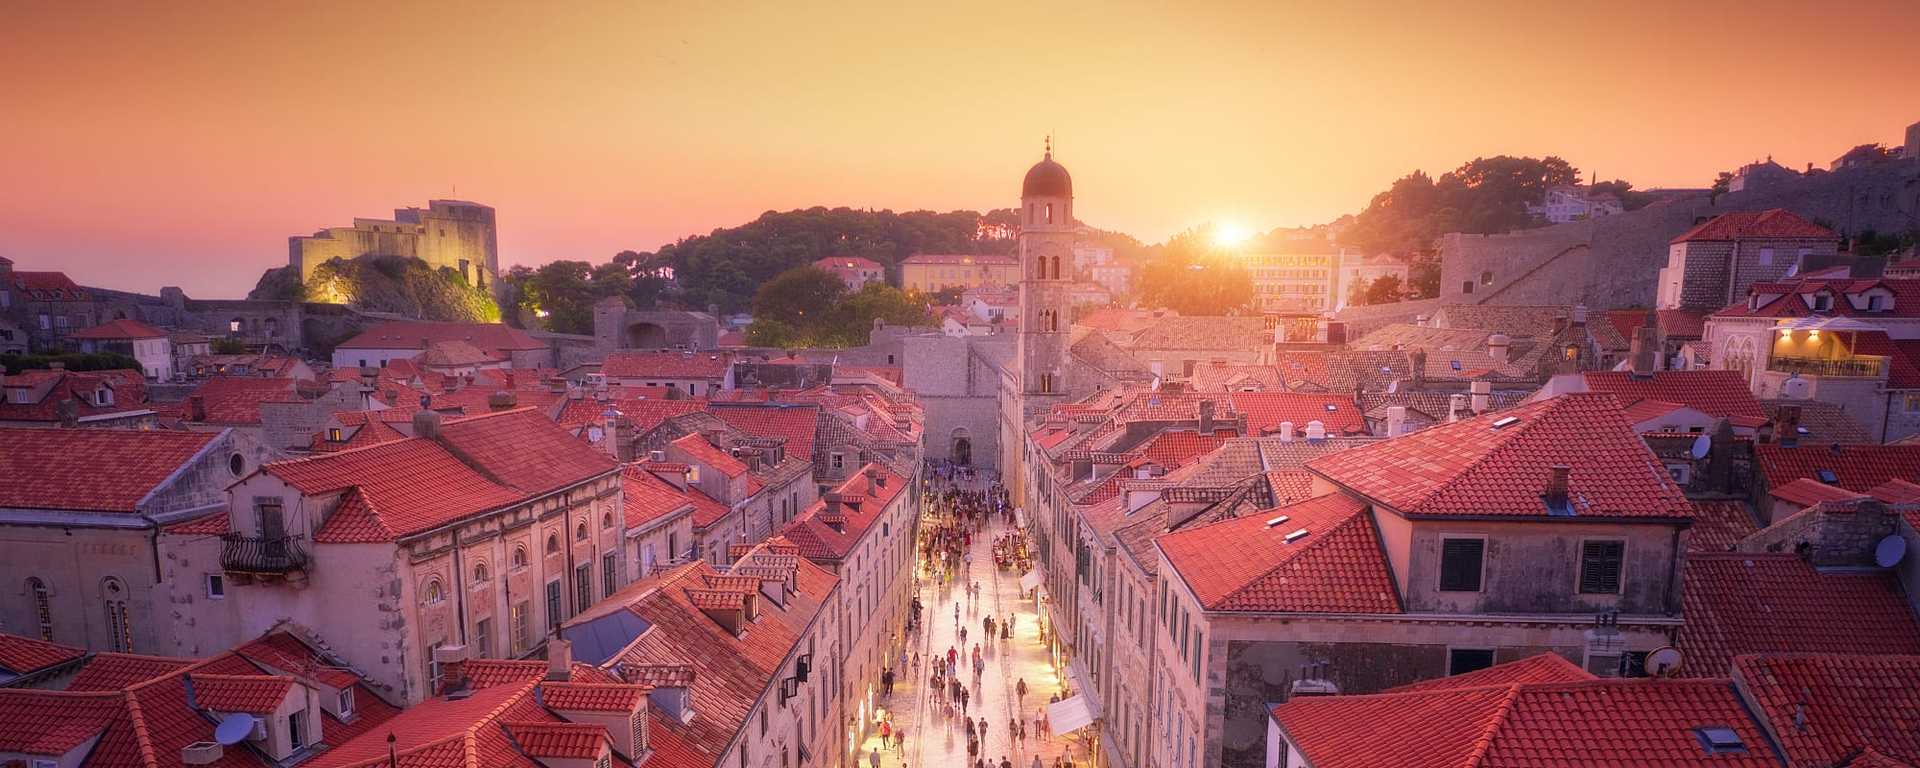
(1460, 564)
(1600, 566)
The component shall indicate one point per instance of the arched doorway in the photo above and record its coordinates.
(962, 447)
(646, 336)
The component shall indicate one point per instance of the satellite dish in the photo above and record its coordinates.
(1663, 661)
(234, 729)
(1889, 551)
(1701, 445)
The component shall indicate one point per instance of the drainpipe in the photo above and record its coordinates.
(1673, 570)
(459, 587)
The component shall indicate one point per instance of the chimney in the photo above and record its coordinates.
(1720, 457)
(502, 400)
(68, 409)
(1579, 315)
(1316, 431)
(201, 753)
(1497, 347)
(1456, 404)
(426, 423)
(1787, 426)
(614, 438)
(1482, 395)
(1396, 421)
(1417, 361)
(1645, 347)
(1556, 492)
(197, 408)
(1206, 417)
(453, 668)
(559, 659)
(1286, 431)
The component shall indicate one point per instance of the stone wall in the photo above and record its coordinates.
(1614, 261)
(1835, 535)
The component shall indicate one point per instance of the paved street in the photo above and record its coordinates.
(935, 738)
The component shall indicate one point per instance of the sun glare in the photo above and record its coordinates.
(1231, 235)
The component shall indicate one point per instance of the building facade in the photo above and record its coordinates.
(447, 234)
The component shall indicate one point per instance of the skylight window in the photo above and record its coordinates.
(1456, 365)
(1276, 521)
(1827, 476)
(1719, 739)
(1331, 407)
(1296, 536)
(1505, 421)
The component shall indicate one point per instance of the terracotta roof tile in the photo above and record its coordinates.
(1770, 224)
(114, 671)
(1739, 602)
(253, 694)
(1473, 467)
(1714, 393)
(408, 486)
(1718, 525)
(666, 364)
(795, 423)
(39, 470)
(705, 453)
(1538, 668)
(1848, 704)
(494, 338)
(50, 388)
(648, 498)
(24, 655)
(121, 329)
(593, 697)
(863, 504)
(1807, 492)
(522, 449)
(1246, 564)
(1853, 467)
(549, 740)
(1266, 410)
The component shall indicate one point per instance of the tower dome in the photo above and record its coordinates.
(1047, 179)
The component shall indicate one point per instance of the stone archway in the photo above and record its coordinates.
(646, 336)
(961, 447)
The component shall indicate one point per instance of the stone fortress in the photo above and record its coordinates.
(455, 234)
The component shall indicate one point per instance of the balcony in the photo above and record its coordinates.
(277, 556)
(1864, 366)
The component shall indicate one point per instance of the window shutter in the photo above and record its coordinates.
(1460, 564)
(1600, 567)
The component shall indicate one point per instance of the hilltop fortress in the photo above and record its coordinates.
(455, 234)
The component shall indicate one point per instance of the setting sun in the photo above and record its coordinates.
(1231, 235)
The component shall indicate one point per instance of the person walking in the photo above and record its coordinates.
(900, 741)
(983, 729)
(1020, 691)
(1037, 763)
(1020, 730)
(873, 758)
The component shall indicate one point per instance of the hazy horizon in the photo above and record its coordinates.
(156, 145)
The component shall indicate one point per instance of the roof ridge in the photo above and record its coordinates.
(1313, 544)
(1484, 742)
(138, 722)
(1526, 424)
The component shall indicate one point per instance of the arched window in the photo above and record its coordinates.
(42, 606)
(606, 520)
(480, 573)
(433, 593)
(580, 532)
(519, 556)
(553, 544)
(119, 630)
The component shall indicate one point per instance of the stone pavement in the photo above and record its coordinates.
(936, 739)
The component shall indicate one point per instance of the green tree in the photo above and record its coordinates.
(1384, 289)
(1483, 196)
(1189, 275)
(561, 294)
(791, 295)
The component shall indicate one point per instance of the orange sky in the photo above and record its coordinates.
(148, 145)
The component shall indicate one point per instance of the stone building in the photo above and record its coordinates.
(144, 343)
(80, 510)
(447, 234)
(500, 345)
(617, 326)
(485, 532)
(1713, 264)
(930, 272)
(49, 306)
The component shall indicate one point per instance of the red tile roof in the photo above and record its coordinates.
(1265, 411)
(644, 414)
(235, 401)
(549, 740)
(1538, 668)
(704, 452)
(795, 423)
(1719, 524)
(648, 498)
(1714, 393)
(48, 286)
(494, 338)
(666, 364)
(846, 262)
(1807, 492)
(1473, 467)
(1854, 467)
(593, 697)
(368, 432)
(863, 502)
(1245, 564)
(42, 468)
(1748, 602)
(1599, 722)
(1897, 492)
(1675, 324)
(1785, 299)
(1173, 448)
(25, 655)
(49, 388)
(1848, 704)
(524, 450)
(1770, 224)
(253, 694)
(114, 671)
(407, 486)
(119, 330)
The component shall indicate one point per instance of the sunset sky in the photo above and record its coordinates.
(160, 144)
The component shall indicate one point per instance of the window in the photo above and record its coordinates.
(1463, 660)
(346, 703)
(480, 573)
(517, 617)
(553, 544)
(1486, 277)
(553, 605)
(839, 461)
(1822, 302)
(608, 562)
(103, 396)
(1720, 740)
(297, 730)
(606, 521)
(483, 637)
(1766, 257)
(582, 587)
(519, 556)
(42, 606)
(1461, 561)
(118, 626)
(1466, 286)
(1600, 566)
(1876, 303)
(216, 586)
(336, 435)
(433, 593)
(580, 532)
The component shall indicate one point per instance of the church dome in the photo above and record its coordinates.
(1047, 179)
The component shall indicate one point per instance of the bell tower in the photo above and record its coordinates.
(1046, 263)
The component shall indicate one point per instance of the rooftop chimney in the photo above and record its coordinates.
(1787, 426)
(1720, 457)
(68, 409)
(1645, 347)
(1556, 492)
(1456, 404)
(426, 423)
(559, 659)
(1482, 395)
(197, 408)
(1497, 347)
(1316, 431)
(453, 668)
(1206, 417)
(1286, 431)
(1396, 421)
(502, 400)
(1417, 360)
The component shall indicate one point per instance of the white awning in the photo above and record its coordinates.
(1827, 323)
(1030, 580)
(1069, 715)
